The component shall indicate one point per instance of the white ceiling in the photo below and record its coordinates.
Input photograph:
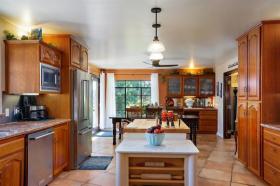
(117, 32)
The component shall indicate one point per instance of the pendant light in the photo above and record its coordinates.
(156, 47)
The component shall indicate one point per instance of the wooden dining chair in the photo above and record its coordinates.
(134, 112)
(152, 112)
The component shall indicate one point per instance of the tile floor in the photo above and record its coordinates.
(216, 166)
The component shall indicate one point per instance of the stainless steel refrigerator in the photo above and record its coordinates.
(81, 126)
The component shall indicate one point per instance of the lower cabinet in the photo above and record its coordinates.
(60, 148)
(12, 163)
(207, 122)
(271, 154)
(249, 135)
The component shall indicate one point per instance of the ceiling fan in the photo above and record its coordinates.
(156, 64)
(156, 47)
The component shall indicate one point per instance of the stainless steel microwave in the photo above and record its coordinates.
(49, 78)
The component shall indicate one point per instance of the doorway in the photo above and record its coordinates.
(95, 104)
(230, 102)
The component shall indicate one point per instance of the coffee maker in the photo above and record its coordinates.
(27, 109)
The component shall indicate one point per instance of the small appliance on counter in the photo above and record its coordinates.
(28, 110)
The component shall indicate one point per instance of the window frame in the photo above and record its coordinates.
(125, 93)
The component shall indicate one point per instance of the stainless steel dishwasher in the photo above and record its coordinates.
(40, 158)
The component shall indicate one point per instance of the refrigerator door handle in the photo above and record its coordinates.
(85, 131)
(85, 99)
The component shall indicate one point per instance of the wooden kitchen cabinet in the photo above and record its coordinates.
(75, 54)
(253, 65)
(60, 148)
(253, 137)
(271, 153)
(12, 163)
(79, 56)
(174, 86)
(206, 85)
(242, 132)
(84, 59)
(22, 64)
(190, 86)
(207, 122)
(242, 67)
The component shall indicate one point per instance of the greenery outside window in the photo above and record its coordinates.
(132, 93)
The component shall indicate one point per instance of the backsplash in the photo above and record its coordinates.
(9, 101)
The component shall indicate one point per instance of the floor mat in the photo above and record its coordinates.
(104, 133)
(96, 163)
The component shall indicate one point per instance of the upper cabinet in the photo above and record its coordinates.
(79, 56)
(174, 86)
(190, 86)
(242, 67)
(22, 65)
(249, 65)
(206, 86)
(200, 86)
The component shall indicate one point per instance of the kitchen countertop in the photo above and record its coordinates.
(195, 108)
(13, 129)
(273, 126)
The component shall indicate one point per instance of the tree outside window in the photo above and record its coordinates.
(132, 93)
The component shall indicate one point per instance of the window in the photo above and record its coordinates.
(132, 93)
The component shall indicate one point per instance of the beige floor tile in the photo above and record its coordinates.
(64, 182)
(209, 182)
(83, 176)
(222, 166)
(247, 179)
(104, 180)
(237, 184)
(215, 174)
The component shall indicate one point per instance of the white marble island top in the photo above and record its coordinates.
(140, 146)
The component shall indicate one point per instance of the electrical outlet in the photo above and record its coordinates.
(7, 112)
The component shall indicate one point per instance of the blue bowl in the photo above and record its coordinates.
(154, 139)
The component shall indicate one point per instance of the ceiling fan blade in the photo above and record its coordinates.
(175, 65)
(147, 63)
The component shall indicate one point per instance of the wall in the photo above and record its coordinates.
(221, 66)
(4, 25)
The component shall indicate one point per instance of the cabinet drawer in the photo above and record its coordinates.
(272, 136)
(11, 147)
(207, 129)
(271, 153)
(271, 174)
(207, 122)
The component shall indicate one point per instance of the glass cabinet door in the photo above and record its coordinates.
(206, 86)
(190, 86)
(174, 86)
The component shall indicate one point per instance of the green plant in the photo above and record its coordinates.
(24, 37)
(9, 35)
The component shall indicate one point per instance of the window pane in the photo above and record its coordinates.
(146, 91)
(133, 91)
(120, 91)
(146, 100)
(145, 83)
(133, 83)
(120, 113)
(120, 103)
(133, 101)
(120, 83)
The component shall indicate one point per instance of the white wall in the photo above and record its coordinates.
(3, 26)
(221, 66)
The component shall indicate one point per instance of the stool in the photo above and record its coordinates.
(192, 122)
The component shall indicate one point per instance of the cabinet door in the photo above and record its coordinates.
(242, 67)
(12, 169)
(254, 65)
(174, 84)
(50, 55)
(75, 54)
(84, 59)
(207, 86)
(242, 132)
(254, 137)
(190, 86)
(61, 143)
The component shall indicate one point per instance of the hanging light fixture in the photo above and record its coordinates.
(156, 47)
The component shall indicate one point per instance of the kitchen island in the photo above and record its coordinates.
(172, 163)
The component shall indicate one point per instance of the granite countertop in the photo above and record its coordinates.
(273, 126)
(194, 108)
(8, 130)
(140, 146)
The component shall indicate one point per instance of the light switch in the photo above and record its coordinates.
(7, 112)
